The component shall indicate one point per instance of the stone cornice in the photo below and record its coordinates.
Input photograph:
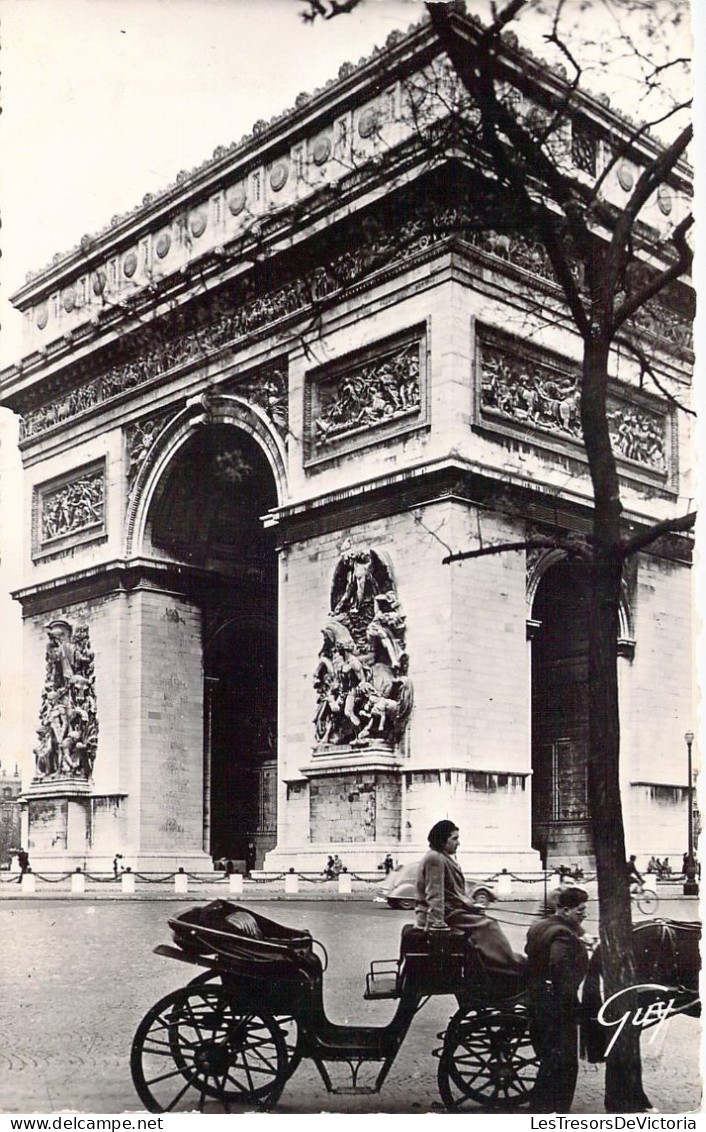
(447, 480)
(121, 576)
(450, 479)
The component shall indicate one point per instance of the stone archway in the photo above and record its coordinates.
(206, 513)
(561, 829)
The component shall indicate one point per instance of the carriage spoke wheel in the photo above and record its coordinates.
(487, 1061)
(287, 1023)
(199, 1048)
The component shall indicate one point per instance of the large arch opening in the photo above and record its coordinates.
(561, 828)
(207, 514)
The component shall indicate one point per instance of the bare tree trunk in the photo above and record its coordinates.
(623, 1082)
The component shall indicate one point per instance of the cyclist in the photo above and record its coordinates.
(635, 879)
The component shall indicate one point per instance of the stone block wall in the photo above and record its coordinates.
(171, 724)
(657, 695)
(355, 807)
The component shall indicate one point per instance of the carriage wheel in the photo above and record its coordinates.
(287, 1023)
(647, 901)
(198, 1044)
(487, 1060)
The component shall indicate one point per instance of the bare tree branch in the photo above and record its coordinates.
(647, 538)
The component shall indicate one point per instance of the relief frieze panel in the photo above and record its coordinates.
(221, 320)
(347, 401)
(69, 510)
(538, 391)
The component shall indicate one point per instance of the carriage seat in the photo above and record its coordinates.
(431, 962)
(236, 935)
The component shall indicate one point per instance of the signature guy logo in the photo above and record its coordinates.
(654, 1014)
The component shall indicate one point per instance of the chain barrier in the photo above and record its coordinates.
(100, 879)
(366, 880)
(270, 880)
(53, 880)
(154, 880)
(14, 879)
(315, 879)
(199, 880)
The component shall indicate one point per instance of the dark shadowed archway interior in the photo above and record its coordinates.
(207, 514)
(560, 816)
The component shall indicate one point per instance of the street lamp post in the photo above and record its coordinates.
(691, 888)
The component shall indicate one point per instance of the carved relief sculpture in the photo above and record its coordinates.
(68, 723)
(72, 507)
(518, 385)
(140, 436)
(363, 689)
(235, 314)
(361, 397)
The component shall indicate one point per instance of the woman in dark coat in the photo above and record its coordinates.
(441, 902)
(557, 963)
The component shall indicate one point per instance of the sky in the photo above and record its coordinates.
(106, 100)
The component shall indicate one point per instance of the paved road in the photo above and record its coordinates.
(83, 974)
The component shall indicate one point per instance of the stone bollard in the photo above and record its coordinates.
(78, 884)
(127, 884)
(28, 883)
(503, 885)
(344, 884)
(235, 884)
(181, 882)
(291, 883)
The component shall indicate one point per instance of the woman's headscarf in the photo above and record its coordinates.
(440, 833)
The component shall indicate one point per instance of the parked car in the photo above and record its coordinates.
(398, 889)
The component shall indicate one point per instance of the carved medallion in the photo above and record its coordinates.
(279, 176)
(197, 222)
(664, 199)
(626, 177)
(42, 316)
(367, 123)
(236, 200)
(321, 150)
(162, 244)
(130, 264)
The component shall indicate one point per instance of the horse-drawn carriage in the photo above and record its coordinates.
(234, 1035)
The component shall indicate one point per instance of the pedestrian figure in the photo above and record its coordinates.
(23, 862)
(337, 866)
(557, 963)
(388, 864)
(328, 871)
(250, 855)
(117, 867)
